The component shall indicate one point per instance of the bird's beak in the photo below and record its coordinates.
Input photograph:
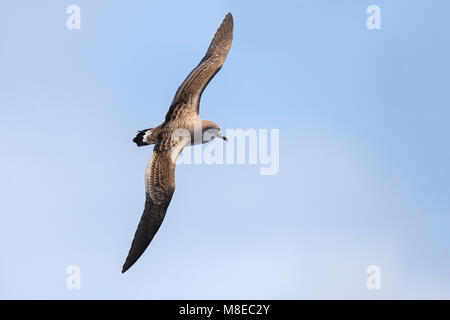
(220, 135)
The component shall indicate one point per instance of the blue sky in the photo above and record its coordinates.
(364, 159)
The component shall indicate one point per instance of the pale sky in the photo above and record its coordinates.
(364, 163)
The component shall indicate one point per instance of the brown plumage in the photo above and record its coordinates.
(183, 114)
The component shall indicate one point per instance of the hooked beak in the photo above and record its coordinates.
(220, 135)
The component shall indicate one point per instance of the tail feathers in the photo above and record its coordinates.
(142, 137)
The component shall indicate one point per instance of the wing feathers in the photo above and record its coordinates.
(159, 189)
(187, 97)
(221, 43)
(149, 224)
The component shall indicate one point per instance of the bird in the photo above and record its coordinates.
(182, 127)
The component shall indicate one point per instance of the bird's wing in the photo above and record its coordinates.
(159, 188)
(187, 98)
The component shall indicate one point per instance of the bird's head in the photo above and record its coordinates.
(211, 130)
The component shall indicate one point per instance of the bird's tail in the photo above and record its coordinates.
(143, 137)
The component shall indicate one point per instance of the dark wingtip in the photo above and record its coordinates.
(229, 16)
(125, 268)
(229, 19)
(130, 261)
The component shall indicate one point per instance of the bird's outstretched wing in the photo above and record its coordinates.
(187, 98)
(159, 188)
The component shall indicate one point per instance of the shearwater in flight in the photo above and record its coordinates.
(183, 115)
